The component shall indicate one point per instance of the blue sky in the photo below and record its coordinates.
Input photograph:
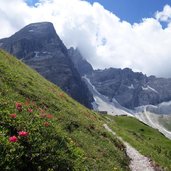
(31, 2)
(129, 10)
(133, 10)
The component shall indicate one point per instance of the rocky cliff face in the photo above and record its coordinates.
(40, 47)
(80, 63)
(131, 89)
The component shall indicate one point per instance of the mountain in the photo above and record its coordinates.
(40, 47)
(131, 89)
(42, 128)
(79, 62)
(122, 86)
(124, 92)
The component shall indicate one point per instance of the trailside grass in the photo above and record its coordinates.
(148, 141)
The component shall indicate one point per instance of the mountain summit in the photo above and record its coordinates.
(31, 39)
(40, 47)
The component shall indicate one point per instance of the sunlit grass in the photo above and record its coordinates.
(61, 133)
(145, 139)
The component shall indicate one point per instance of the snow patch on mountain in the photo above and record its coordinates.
(36, 54)
(151, 119)
(148, 88)
(131, 86)
(102, 103)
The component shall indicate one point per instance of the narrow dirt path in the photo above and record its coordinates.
(138, 161)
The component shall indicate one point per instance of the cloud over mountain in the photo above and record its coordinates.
(101, 36)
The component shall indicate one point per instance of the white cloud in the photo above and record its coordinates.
(104, 40)
(164, 15)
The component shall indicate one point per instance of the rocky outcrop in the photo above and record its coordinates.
(80, 63)
(40, 47)
(131, 89)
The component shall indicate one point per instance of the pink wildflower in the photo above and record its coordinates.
(22, 133)
(13, 139)
(13, 115)
(18, 106)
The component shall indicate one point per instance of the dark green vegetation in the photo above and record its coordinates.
(62, 134)
(145, 139)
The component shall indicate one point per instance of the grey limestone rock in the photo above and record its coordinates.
(131, 89)
(40, 47)
(80, 63)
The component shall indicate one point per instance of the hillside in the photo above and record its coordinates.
(146, 140)
(42, 128)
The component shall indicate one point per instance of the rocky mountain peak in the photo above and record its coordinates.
(36, 30)
(33, 38)
(39, 46)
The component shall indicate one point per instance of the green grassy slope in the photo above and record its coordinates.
(145, 139)
(165, 121)
(62, 134)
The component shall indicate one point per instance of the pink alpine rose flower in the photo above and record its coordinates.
(13, 139)
(23, 133)
(13, 115)
(18, 106)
